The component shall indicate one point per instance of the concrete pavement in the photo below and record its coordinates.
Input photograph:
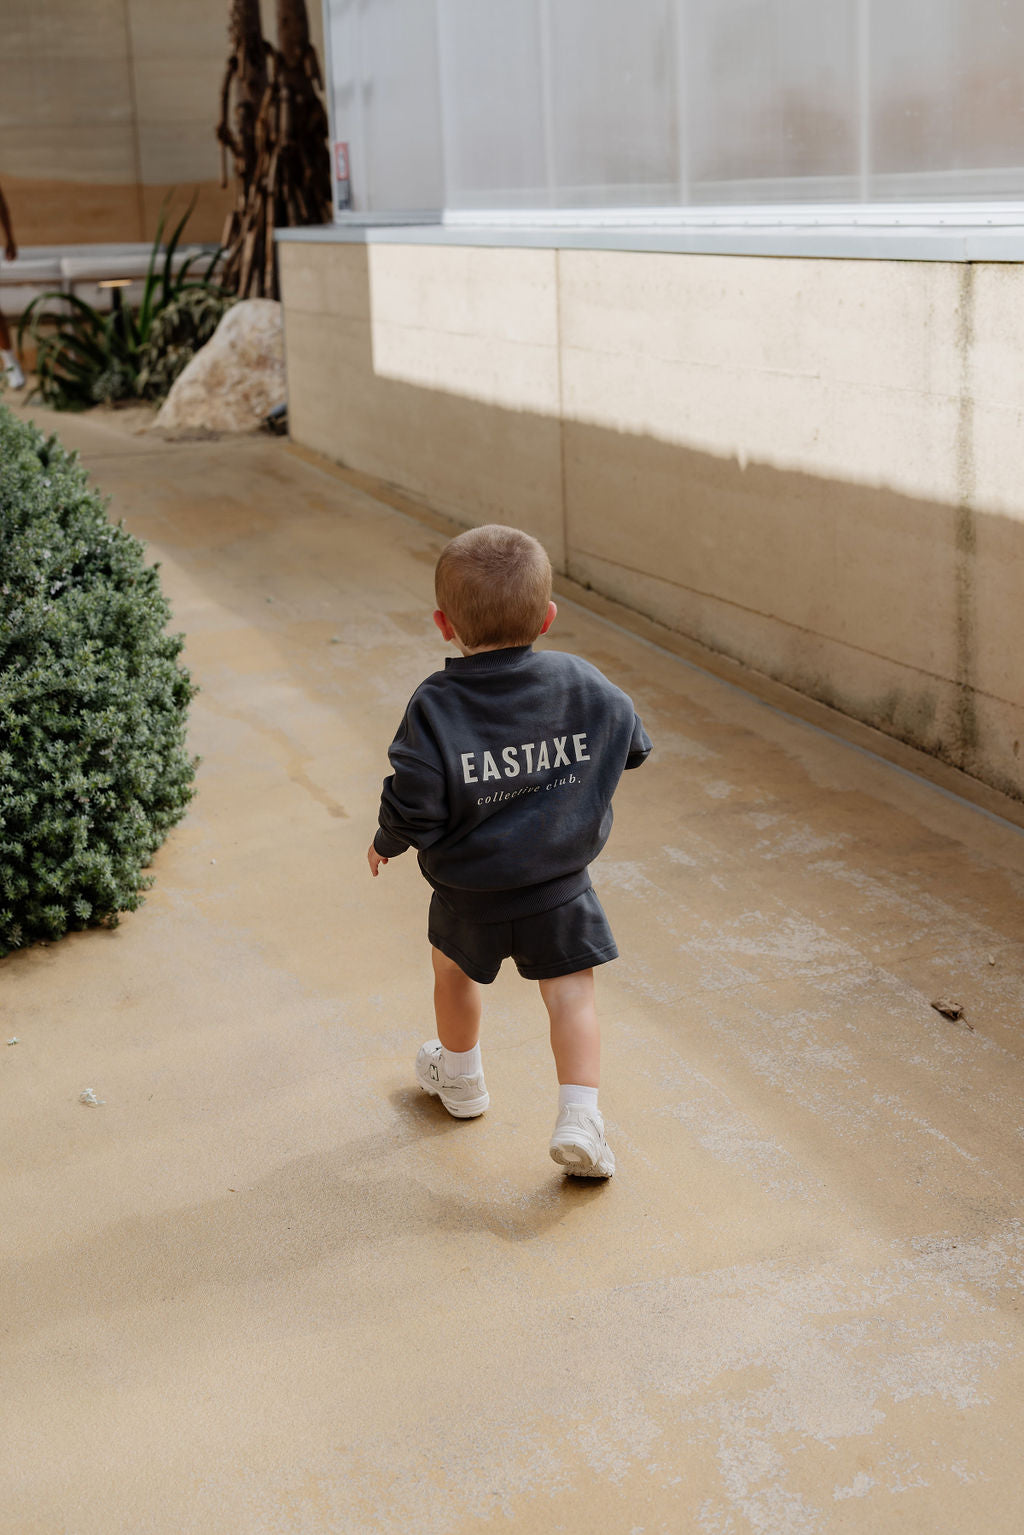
(267, 1286)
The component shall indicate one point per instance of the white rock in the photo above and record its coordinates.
(235, 379)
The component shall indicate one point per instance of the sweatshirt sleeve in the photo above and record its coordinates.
(639, 746)
(414, 798)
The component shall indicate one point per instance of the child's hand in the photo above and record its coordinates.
(374, 859)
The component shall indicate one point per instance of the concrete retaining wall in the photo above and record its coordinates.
(811, 466)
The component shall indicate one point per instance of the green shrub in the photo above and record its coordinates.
(93, 701)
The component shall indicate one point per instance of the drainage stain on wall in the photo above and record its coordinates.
(965, 738)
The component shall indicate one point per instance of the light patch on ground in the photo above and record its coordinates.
(672, 743)
(899, 1111)
(800, 842)
(730, 1136)
(759, 1370)
(858, 1488)
(678, 856)
(629, 877)
(769, 935)
(897, 897)
(993, 1265)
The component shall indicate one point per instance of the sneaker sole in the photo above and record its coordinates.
(579, 1160)
(471, 1109)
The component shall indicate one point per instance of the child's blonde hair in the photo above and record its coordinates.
(493, 584)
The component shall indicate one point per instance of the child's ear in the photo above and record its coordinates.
(442, 623)
(552, 615)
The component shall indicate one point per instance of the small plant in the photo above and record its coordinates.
(93, 702)
(178, 331)
(85, 358)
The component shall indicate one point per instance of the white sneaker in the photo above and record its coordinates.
(578, 1143)
(463, 1097)
(15, 377)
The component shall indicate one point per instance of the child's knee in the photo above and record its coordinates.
(447, 969)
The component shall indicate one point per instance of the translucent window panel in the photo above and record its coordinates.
(612, 101)
(493, 104)
(772, 99)
(593, 103)
(947, 99)
(384, 71)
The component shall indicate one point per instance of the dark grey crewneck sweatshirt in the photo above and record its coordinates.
(504, 769)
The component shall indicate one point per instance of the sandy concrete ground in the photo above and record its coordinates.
(269, 1287)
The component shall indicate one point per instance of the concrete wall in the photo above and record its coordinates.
(810, 466)
(108, 106)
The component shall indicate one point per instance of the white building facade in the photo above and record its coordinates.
(722, 299)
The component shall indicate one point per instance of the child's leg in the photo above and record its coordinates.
(457, 1004)
(8, 359)
(578, 1142)
(451, 1070)
(575, 1034)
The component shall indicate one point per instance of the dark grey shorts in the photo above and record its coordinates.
(572, 937)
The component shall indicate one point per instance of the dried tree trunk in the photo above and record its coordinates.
(304, 168)
(293, 33)
(286, 179)
(247, 72)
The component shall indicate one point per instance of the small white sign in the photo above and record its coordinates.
(342, 177)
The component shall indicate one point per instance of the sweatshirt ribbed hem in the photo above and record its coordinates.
(510, 905)
(388, 847)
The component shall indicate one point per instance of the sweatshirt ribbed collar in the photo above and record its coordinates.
(489, 660)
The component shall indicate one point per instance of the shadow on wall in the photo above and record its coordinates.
(897, 611)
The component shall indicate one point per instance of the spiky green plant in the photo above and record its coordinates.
(84, 357)
(178, 331)
(93, 701)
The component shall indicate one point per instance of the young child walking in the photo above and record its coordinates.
(8, 361)
(504, 768)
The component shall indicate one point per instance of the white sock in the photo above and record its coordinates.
(462, 1063)
(571, 1092)
(7, 358)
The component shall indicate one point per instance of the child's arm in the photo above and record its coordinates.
(414, 799)
(10, 244)
(639, 746)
